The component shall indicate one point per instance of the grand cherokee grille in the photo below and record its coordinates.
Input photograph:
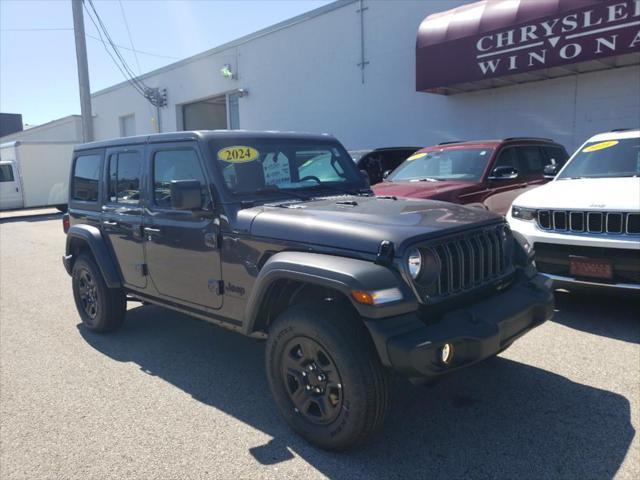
(466, 262)
(620, 223)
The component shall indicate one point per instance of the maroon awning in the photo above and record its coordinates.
(500, 42)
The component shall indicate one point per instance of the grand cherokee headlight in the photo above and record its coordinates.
(414, 263)
(523, 213)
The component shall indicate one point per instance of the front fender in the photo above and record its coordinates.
(338, 273)
(92, 237)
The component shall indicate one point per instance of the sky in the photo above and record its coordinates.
(38, 76)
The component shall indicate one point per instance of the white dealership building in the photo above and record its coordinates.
(383, 73)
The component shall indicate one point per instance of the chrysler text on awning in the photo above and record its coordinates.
(493, 43)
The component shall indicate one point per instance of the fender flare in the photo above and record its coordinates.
(338, 273)
(92, 237)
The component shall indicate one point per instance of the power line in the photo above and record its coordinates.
(93, 37)
(129, 72)
(155, 96)
(44, 29)
(133, 84)
(141, 52)
(126, 24)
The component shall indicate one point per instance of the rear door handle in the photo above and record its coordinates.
(110, 223)
(151, 230)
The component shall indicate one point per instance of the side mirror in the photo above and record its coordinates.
(503, 173)
(386, 174)
(186, 195)
(551, 170)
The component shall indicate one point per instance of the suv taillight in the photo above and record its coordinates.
(65, 222)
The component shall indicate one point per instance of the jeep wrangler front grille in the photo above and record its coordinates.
(467, 261)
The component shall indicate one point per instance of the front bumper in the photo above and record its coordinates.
(553, 250)
(480, 330)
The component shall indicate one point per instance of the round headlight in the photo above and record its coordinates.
(414, 262)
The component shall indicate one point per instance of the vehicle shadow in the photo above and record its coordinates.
(498, 419)
(31, 218)
(605, 315)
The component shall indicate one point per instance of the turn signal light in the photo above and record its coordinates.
(362, 297)
(377, 297)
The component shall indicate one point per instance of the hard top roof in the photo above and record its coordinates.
(491, 142)
(203, 135)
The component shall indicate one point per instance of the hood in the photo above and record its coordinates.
(419, 189)
(360, 223)
(585, 194)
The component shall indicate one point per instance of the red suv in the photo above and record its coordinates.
(484, 173)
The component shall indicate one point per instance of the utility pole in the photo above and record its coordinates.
(83, 70)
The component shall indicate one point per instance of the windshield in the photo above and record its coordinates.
(466, 164)
(272, 165)
(612, 158)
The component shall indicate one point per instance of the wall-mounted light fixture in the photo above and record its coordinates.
(227, 72)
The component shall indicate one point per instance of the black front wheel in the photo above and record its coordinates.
(101, 309)
(325, 375)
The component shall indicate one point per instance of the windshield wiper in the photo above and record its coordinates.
(359, 192)
(617, 175)
(426, 179)
(276, 189)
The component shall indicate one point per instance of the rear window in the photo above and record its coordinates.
(86, 176)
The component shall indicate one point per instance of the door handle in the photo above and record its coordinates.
(110, 223)
(151, 230)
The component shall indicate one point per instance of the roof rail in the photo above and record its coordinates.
(623, 129)
(451, 141)
(529, 138)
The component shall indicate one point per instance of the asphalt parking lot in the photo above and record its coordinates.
(172, 397)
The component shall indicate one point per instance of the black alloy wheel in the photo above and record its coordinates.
(88, 293)
(312, 380)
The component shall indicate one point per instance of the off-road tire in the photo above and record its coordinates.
(364, 381)
(104, 314)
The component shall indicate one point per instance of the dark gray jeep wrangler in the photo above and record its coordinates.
(278, 236)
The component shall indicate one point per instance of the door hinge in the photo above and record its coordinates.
(213, 240)
(216, 286)
(142, 269)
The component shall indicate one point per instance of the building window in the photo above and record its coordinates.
(128, 125)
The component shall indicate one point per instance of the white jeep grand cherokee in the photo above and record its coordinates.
(585, 225)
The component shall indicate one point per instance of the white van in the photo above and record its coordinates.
(34, 174)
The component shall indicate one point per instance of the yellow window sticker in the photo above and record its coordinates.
(238, 154)
(599, 146)
(416, 156)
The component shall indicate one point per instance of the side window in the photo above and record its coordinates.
(86, 175)
(506, 158)
(530, 160)
(555, 155)
(171, 165)
(6, 173)
(124, 178)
